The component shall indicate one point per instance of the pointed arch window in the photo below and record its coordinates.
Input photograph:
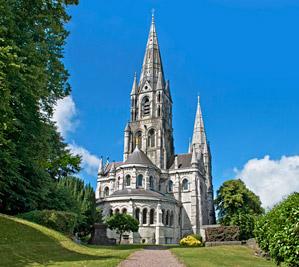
(106, 191)
(144, 216)
(139, 182)
(138, 139)
(151, 138)
(152, 216)
(171, 219)
(137, 214)
(185, 184)
(128, 180)
(118, 183)
(146, 106)
(170, 186)
(167, 218)
(151, 182)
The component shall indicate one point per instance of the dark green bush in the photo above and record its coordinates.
(61, 221)
(277, 232)
(245, 222)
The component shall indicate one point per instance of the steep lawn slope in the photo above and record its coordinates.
(24, 243)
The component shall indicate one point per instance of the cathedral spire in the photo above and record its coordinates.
(101, 167)
(152, 63)
(134, 86)
(199, 134)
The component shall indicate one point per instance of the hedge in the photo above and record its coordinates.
(277, 232)
(61, 221)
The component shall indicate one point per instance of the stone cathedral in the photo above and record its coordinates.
(171, 195)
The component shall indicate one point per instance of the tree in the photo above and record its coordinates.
(277, 232)
(122, 223)
(32, 79)
(237, 205)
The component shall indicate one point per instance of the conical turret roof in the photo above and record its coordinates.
(138, 157)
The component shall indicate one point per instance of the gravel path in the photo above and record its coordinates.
(151, 257)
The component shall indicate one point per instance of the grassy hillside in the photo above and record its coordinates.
(23, 243)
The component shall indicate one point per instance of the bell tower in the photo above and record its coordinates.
(150, 125)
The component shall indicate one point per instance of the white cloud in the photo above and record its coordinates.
(90, 162)
(65, 115)
(270, 179)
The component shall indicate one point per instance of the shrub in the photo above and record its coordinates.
(190, 241)
(196, 236)
(277, 232)
(61, 221)
(245, 222)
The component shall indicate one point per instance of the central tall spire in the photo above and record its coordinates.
(199, 140)
(152, 62)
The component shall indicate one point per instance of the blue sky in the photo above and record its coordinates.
(242, 57)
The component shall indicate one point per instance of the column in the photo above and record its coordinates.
(158, 223)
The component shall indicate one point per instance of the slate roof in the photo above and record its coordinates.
(116, 164)
(184, 161)
(138, 157)
(140, 192)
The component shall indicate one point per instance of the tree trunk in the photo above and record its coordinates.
(120, 236)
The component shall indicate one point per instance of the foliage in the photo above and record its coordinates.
(224, 256)
(122, 223)
(61, 221)
(190, 241)
(32, 79)
(24, 243)
(72, 195)
(222, 233)
(277, 232)
(196, 236)
(237, 205)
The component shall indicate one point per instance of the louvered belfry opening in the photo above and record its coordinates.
(146, 107)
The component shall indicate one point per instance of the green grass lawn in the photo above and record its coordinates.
(23, 243)
(220, 256)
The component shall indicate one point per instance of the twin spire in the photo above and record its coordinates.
(199, 139)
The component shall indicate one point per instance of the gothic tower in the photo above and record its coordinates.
(201, 148)
(150, 125)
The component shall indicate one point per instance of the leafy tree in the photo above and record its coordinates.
(32, 79)
(237, 205)
(277, 232)
(84, 197)
(122, 223)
